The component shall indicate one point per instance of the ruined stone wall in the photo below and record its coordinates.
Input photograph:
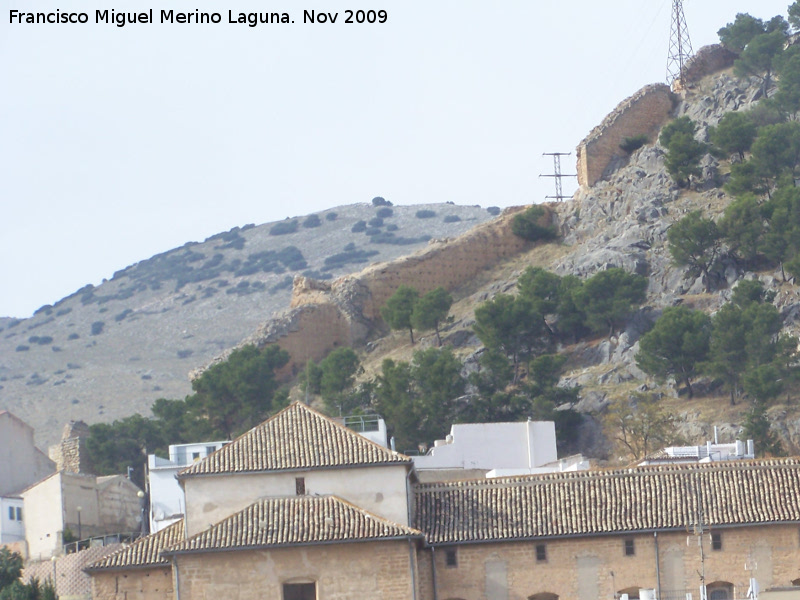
(306, 332)
(70, 454)
(326, 315)
(641, 114)
(708, 60)
(448, 264)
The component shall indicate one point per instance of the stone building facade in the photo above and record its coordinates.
(587, 535)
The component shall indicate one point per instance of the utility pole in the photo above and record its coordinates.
(557, 174)
(680, 46)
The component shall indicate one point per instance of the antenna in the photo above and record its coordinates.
(680, 46)
(557, 174)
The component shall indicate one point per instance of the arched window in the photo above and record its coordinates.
(633, 592)
(544, 596)
(796, 581)
(720, 590)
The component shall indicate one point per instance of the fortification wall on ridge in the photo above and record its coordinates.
(641, 114)
(325, 315)
(708, 60)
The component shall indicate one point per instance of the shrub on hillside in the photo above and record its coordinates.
(532, 225)
(493, 210)
(359, 226)
(425, 214)
(331, 216)
(630, 144)
(97, 327)
(384, 212)
(312, 221)
(284, 227)
(452, 219)
(378, 201)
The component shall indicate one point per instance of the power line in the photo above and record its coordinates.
(557, 174)
(680, 46)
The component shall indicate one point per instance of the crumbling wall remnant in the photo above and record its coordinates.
(641, 114)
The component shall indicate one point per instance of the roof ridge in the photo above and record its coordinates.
(243, 529)
(107, 562)
(297, 437)
(644, 470)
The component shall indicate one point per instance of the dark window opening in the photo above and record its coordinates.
(210, 450)
(630, 549)
(300, 486)
(450, 557)
(541, 553)
(299, 591)
(716, 541)
(19, 513)
(10, 513)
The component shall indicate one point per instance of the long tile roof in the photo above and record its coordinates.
(144, 552)
(649, 498)
(298, 437)
(292, 521)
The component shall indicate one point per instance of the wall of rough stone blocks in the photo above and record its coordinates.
(581, 568)
(375, 570)
(448, 264)
(325, 315)
(708, 60)
(641, 114)
(134, 584)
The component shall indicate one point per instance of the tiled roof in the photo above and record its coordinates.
(615, 501)
(144, 552)
(292, 521)
(298, 437)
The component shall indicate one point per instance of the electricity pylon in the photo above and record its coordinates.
(680, 46)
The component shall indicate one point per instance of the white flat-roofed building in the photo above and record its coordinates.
(167, 503)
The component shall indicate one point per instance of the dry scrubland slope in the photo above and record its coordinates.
(108, 351)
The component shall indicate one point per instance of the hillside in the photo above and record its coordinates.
(620, 221)
(109, 351)
(105, 352)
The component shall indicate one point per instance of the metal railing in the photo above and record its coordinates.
(101, 540)
(362, 422)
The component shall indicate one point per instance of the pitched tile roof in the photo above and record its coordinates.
(293, 521)
(298, 437)
(614, 501)
(144, 552)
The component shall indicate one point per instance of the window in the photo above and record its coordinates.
(630, 549)
(716, 541)
(450, 557)
(299, 591)
(300, 486)
(541, 553)
(19, 513)
(719, 590)
(210, 450)
(195, 456)
(10, 513)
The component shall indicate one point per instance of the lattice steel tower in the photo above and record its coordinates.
(680, 46)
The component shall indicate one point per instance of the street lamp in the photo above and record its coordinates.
(79, 509)
(53, 559)
(141, 496)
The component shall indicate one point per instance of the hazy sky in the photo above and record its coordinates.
(118, 143)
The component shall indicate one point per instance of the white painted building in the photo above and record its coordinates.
(495, 450)
(21, 462)
(710, 452)
(12, 524)
(167, 503)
